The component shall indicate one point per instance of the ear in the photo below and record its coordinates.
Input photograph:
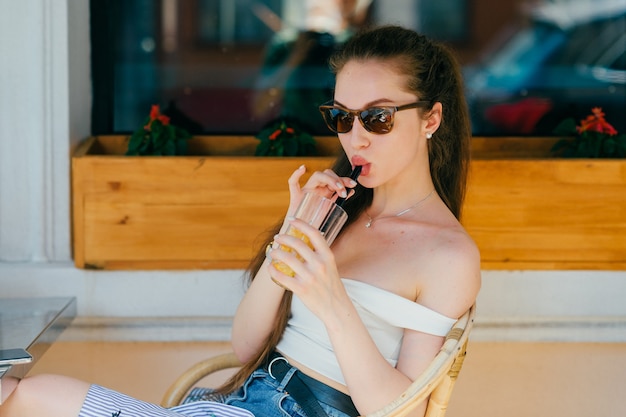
(433, 118)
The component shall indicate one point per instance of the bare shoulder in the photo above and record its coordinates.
(451, 272)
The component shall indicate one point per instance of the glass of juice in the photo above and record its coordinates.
(319, 212)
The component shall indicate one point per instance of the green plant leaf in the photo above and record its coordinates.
(564, 148)
(144, 148)
(169, 148)
(596, 145)
(134, 142)
(278, 148)
(160, 139)
(620, 146)
(582, 149)
(609, 147)
(181, 147)
(290, 147)
(262, 148)
(289, 139)
(566, 128)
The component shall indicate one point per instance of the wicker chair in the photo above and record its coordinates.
(435, 383)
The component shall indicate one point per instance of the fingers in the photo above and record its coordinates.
(305, 236)
(284, 262)
(294, 179)
(281, 279)
(295, 192)
(328, 183)
(307, 250)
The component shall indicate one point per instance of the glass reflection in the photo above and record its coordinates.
(233, 66)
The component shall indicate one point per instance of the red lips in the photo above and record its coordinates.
(360, 161)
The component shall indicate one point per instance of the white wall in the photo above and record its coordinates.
(45, 101)
(45, 106)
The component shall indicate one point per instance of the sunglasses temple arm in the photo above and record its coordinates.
(353, 176)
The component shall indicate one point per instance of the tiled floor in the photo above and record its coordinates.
(498, 379)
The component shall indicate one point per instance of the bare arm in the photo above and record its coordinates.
(255, 316)
(454, 274)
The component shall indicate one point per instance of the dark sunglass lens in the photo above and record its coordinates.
(339, 120)
(377, 120)
(344, 122)
(327, 115)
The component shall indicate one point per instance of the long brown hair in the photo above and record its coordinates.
(433, 75)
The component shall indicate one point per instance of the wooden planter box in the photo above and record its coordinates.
(208, 210)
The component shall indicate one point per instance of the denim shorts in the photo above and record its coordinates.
(265, 396)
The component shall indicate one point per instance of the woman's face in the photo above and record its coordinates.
(401, 153)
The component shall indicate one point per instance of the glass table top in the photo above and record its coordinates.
(33, 324)
(24, 321)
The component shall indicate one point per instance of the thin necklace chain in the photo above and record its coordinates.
(401, 213)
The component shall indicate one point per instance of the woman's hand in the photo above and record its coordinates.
(326, 183)
(256, 315)
(316, 281)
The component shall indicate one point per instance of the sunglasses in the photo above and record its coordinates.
(377, 120)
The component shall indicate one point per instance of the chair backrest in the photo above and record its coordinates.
(435, 383)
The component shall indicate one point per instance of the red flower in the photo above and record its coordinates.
(597, 123)
(155, 114)
(275, 134)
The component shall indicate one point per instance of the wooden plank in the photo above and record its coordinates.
(210, 211)
(78, 214)
(178, 212)
(552, 211)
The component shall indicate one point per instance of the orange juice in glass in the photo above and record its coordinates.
(319, 212)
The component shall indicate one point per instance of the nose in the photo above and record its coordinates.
(359, 137)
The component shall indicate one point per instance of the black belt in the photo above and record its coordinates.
(307, 391)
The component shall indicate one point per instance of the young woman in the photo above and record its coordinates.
(361, 319)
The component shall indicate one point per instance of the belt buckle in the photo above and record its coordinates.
(269, 367)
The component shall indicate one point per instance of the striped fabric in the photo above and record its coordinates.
(103, 402)
(204, 394)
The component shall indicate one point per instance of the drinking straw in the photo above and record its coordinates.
(356, 171)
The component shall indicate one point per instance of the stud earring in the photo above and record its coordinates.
(429, 135)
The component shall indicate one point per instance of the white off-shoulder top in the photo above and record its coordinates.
(385, 315)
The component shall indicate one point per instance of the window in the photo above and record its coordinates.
(232, 66)
(562, 63)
